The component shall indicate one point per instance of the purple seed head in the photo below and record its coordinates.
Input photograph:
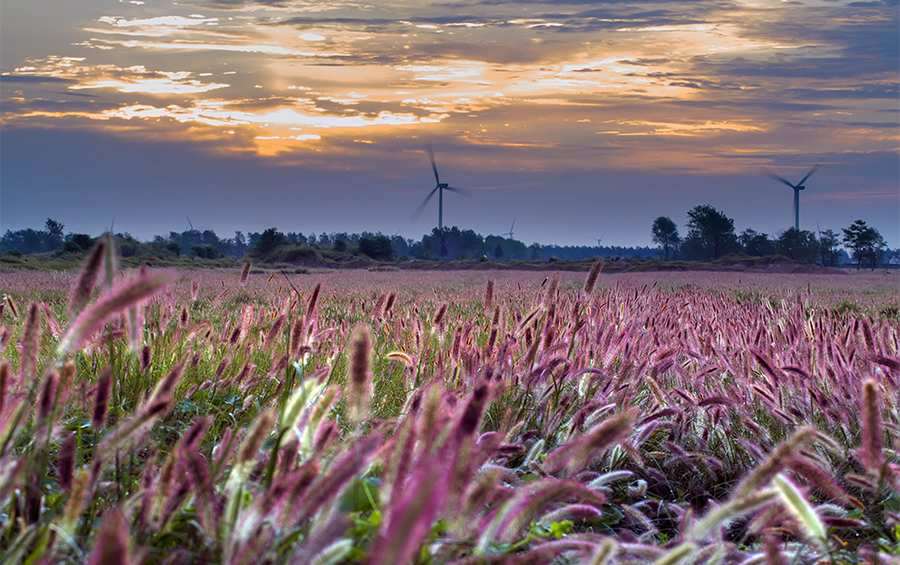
(101, 398)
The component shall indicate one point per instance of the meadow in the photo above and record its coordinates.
(217, 416)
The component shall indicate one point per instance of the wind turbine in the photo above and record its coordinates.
(509, 234)
(439, 188)
(797, 188)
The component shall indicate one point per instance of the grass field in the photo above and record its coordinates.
(432, 417)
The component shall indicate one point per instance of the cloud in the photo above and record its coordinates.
(79, 75)
(261, 49)
(31, 79)
(713, 87)
(215, 113)
(292, 5)
(685, 129)
(169, 83)
(158, 22)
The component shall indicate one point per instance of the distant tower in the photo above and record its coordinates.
(796, 188)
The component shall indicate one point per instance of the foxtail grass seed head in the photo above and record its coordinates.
(313, 301)
(113, 540)
(593, 276)
(802, 510)
(360, 373)
(110, 260)
(550, 294)
(255, 437)
(13, 309)
(146, 357)
(4, 384)
(605, 552)
(65, 465)
(439, 316)
(872, 431)
(31, 342)
(126, 293)
(245, 273)
(101, 399)
(415, 416)
(78, 494)
(47, 398)
(578, 453)
(471, 415)
(775, 462)
(87, 278)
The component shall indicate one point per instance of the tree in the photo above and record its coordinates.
(498, 251)
(711, 232)
(799, 245)
(665, 234)
(865, 242)
(209, 237)
(401, 246)
(205, 252)
(55, 233)
(829, 251)
(377, 247)
(756, 244)
(268, 241)
(77, 242)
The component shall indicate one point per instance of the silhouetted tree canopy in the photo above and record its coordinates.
(377, 247)
(665, 234)
(865, 242)
(798, 245)
(711, 233)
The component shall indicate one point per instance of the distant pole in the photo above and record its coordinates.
(441, 218)
(797, 209)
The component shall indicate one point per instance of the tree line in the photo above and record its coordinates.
(710, 235)
(460, 244)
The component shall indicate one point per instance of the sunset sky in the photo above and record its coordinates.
(581, 119)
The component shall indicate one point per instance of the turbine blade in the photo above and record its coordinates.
(773, 176)
(430, 150)
(809, 174)
(424, 203)
(458, 190)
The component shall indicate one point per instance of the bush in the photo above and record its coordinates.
(294, 254)
(205, 252)
(78, 242)
(270, 240)
(377, 247)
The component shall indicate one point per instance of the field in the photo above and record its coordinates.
(478, 417)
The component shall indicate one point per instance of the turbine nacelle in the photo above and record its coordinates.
(796, 187)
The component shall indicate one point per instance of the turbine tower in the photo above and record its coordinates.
(439, 187)
(797, 188)
(509, 234)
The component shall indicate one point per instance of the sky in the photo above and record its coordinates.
(580, 120)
